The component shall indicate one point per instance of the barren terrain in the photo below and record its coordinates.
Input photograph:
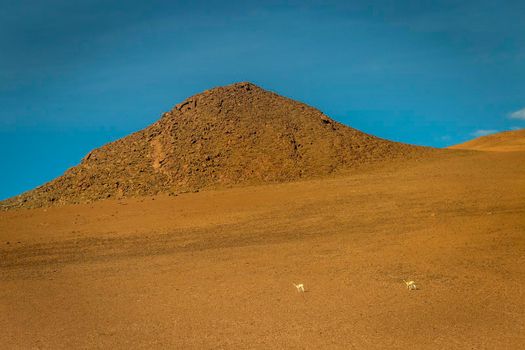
(229, 135)
(507, 141)
(214, 269)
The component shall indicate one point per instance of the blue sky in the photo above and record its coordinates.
(75, 75)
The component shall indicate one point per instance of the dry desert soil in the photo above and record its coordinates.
(214, 269)
(507, 141)
(191, 234)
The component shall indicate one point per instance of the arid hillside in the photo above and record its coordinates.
(507, 141)
(214, 269)
(237, 134)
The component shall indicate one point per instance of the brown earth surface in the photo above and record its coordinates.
(507, 141)
(233, 135)
(215, 269)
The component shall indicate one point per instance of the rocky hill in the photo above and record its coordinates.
(237, 134)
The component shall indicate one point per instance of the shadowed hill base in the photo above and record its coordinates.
(508, 141)
(238, 134)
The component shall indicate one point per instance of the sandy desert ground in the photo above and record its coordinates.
(215, 269)
(507, 141)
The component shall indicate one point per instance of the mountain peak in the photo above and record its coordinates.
(232, 91)
(235, 134)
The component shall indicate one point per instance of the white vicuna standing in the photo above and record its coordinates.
(411, 285)
(300, 287)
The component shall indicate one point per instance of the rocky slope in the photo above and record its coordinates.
(237, 134)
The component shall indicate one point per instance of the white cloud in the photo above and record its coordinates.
(482, 132)
(518, 114)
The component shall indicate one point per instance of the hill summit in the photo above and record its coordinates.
(506, 141)
(236, 134)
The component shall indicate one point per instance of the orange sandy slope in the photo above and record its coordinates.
(215, 269)
(507, 141)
